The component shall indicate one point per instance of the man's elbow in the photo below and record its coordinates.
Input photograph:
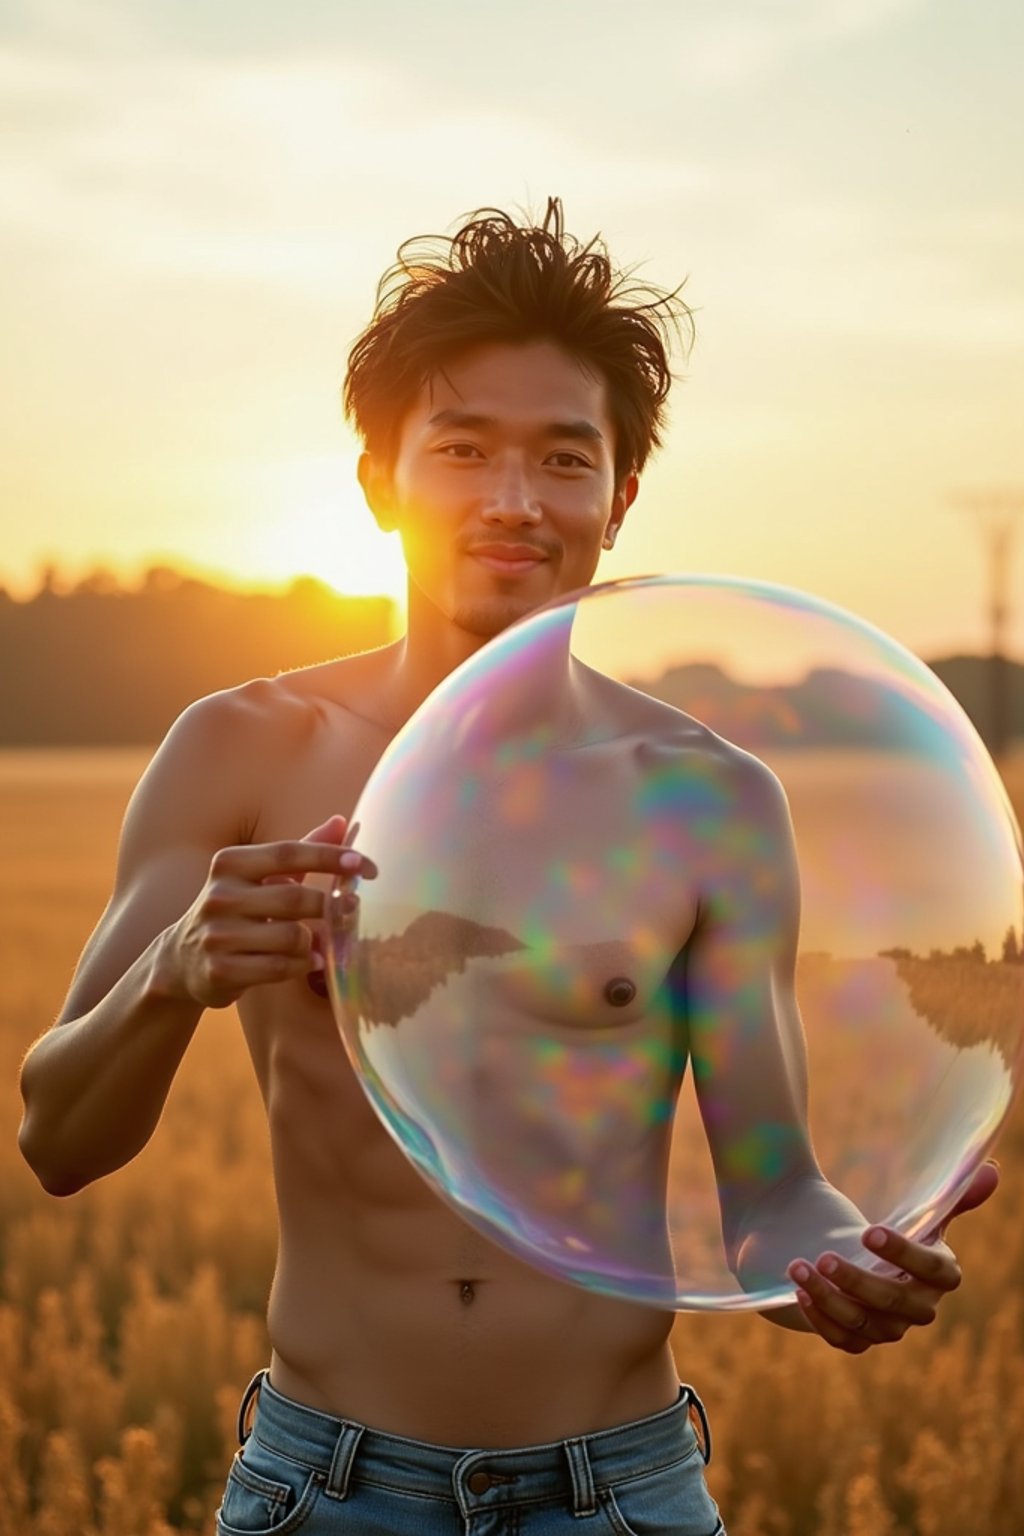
(55, 1180)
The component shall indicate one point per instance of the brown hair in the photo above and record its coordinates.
(498, 281)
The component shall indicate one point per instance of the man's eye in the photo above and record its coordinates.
(459, 450)
(576, 460)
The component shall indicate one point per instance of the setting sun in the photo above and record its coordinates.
(308, 517)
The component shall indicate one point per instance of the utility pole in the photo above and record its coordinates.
(994, 512)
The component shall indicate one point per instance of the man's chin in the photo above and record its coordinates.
(486, 619)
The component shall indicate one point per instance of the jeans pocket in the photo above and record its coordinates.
(266, 1494)
(673, 1501)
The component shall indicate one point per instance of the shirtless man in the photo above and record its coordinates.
(422, 1380)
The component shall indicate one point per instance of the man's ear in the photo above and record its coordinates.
(621, 503)
(376, 481)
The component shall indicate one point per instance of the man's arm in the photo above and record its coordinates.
(186, 928)
(750, 1073)
(747, 1040)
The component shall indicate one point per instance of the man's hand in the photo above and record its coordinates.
(254, 920)
(852, 1308)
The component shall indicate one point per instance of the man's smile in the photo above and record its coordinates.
(508, 559)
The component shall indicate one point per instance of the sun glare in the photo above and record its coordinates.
(317, 524)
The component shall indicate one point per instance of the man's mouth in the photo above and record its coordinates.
(508, 559)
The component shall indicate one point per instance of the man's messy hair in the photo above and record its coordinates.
(499, 281)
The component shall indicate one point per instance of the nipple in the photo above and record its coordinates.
(620, 991)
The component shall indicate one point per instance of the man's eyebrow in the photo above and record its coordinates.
(581, 430)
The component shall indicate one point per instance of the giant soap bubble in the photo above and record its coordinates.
(697, 943)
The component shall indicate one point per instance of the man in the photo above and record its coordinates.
(508, 391)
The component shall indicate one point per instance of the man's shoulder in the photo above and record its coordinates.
(742, 783)
(280, 709)
(234, 718)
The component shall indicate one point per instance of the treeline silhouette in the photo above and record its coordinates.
(102, 664)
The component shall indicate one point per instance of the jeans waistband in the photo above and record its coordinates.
(344, 1450)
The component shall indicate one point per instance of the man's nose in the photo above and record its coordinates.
(512, 497)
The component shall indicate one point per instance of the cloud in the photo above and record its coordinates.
(548, 54)
(735, 45)
(300, 174)
(269, 169)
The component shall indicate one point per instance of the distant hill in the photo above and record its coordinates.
(102, 665)
(830, 706)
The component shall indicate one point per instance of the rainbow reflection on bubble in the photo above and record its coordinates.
(695, 942)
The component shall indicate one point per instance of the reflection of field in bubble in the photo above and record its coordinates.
(896, 851)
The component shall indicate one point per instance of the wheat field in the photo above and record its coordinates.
(131, 1316)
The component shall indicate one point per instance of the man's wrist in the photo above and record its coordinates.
(165, 979)
(790, 1316)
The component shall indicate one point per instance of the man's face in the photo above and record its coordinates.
(503, 484)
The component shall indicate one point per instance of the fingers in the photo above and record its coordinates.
(287, 899)
(842, 1320)
(290, 860)
(352, 862)
(227, 958)
(839, 1318)
(853, 1341)
(983, 1185)
(931, 1262)
(269, 938)
(253, 921)
(906, 1303)
(853, 1308)
(263, 861)
(330, 831)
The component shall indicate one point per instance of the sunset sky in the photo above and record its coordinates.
(198, 199)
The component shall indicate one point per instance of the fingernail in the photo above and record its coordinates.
(350, 859)
(827, 1266)
(876, 1238)
(800, 1272)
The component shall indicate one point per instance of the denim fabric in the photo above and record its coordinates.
(300, 1470)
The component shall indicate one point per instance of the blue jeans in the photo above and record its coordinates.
(300, 1470)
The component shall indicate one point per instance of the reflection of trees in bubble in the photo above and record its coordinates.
(905, 1053)
(397, 974)
(965, 997)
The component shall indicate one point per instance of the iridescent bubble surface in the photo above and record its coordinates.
(697, 943)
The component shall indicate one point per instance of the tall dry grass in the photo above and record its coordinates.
(131, 1315)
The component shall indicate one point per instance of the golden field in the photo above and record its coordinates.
(131, 1316)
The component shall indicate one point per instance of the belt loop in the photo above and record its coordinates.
(584, 1497)
(341, 1461)
(699, 1419)
(251, 1394)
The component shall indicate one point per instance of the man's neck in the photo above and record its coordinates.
(431, 648)
(539, 687)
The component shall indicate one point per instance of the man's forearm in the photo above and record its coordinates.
(94, 1087)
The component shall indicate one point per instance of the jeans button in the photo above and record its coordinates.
(478, 1482)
